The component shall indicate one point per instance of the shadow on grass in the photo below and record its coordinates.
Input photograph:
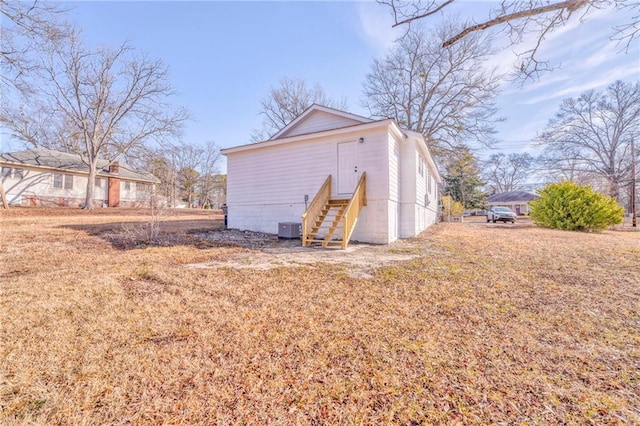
(521, 224)
(138, 234)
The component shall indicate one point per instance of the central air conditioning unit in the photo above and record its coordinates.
(289, 230)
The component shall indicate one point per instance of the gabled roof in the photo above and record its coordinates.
(63, 161)
(512, 197)
(307, 136)
(345, 123)
(356, 119)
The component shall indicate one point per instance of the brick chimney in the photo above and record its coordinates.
(113, 191)
(114, 185)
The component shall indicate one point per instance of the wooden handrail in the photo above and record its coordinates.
(318, 202)
(357, 201)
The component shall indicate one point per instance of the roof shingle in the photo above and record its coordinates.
(41, 157)
(512, 196)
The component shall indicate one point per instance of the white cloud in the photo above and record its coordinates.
(374, 27)
(588, 59)
(598, 58)
(581, 43)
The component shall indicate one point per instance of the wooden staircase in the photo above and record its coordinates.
(327, 217)
(327, 222)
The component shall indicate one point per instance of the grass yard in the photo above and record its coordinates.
(471, 323)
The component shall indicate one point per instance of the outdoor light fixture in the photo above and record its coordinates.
(361, 140)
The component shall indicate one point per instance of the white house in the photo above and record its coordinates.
(279, 179)
(518, 201)
(43, 177)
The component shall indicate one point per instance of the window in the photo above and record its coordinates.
(421, 165)
(127, 185)
(57, 180)
(429, 181)
(98, 183)
(143, 187)
(18, 173)
(68, 181)
(6, 171)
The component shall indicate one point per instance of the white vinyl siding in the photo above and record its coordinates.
(394, 169)
(418, 209)
(32, 184)
(421, 183)
(267, 183)
(266, 186)
(394, 209)
(421, 163)
(318, 121)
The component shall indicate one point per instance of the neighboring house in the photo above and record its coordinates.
(42, 177)
(277, 180)
(518, 201)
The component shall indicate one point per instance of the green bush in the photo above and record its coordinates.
(573, 207)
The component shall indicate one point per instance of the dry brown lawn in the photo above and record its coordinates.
(478, 324)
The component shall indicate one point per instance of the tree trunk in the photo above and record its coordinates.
(615, 189)
(91, 182)
(5, 202)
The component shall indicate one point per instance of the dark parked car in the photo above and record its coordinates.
(503, 214)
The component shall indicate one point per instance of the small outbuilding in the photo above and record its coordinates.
(518, 201)
(340, 175)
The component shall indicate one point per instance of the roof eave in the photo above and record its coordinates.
(76, 171)
(316, 107)
(298, 138)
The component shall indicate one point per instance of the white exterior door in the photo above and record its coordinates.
(347, 167)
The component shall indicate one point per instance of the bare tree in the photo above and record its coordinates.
(287, 101)
(188, 179)
(505, 173)
(445, 94)
(108, 100)
(189, 158)
(25, 26)
(593, 133)
(186, 171)
(163, 162)
(208, 171)
(217, 194)
(520, 18)
(38, 125)
(569, 168)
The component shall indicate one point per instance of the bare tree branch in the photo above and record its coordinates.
(628, 32)
(423, 15)
(26, 25)
(285, 102)
(107, 101)
(522, 17)
(444, 94)
(505, 173)
(591, 135)
(569, 5)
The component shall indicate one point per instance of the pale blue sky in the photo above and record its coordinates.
(224, 56)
